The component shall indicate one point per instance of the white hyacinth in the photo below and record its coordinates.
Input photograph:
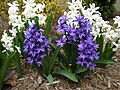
(117, 21)
(32, 9)
(7, 42)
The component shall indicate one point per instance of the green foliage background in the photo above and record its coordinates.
(106, 7)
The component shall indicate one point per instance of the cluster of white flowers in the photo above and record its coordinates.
(14, 17)
(7, 42)
(18, 19)
(99, 26)
(32, 9)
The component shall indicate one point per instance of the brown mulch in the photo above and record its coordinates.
(99, 79)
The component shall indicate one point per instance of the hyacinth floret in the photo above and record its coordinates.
(79, 33)
(36, 45)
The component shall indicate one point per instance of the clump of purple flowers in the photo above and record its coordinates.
(35, 44)
(79, 33)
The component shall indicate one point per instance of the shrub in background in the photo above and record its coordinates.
(106, 7)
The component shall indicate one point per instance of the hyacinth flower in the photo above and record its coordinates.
(78, 48)
(36, 45)
(79, 34)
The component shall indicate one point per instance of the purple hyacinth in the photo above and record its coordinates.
(80, 34)
(35, 44)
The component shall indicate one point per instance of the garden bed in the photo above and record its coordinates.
(99, 79)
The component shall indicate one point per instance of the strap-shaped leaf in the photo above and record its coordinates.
(80, 69)
(104, 61)
(2, 57)
(50, 78)
(60, 55)
(52, 61)
(61, 64)
(48, 26)
(100, 41)
(74, 53)
(17, 62)
(5, 67)
(1, 47)
(67, 74)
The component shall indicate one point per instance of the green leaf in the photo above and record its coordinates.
(67, 74)
(60, 55)
(50, 78)
(80, 69)
(17, 62)
(48, 26)
(100, 41)
(61, 64)
(21, 40)
(1, 47)
(67, 51)
(52, 61)
(21, 36)
(106, 61)
(2, 56)
(5, 67)
(108, 45)
(74, 53)
(45, 66)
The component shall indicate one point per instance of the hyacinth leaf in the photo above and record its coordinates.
(21, 39)
(61, 64)
(108, 45)
(5, 67)
(112, 54)
(2, 58)
(74, 53)
(21, 36)
(67, 51)
(50, 78)
(48, 26)
(45, 66)
(67, 74)
(100, 41)
(108, 51)
(17, 62)
(36, 22)
(60, 55)
(80, 69)
(52, 61)
(1, 47)
(104, 61)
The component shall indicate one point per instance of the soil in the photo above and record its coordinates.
(99, 79)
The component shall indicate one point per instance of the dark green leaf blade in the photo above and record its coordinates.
(100, 41)
(52, 61)
(107, 61)
(67, 74)
(80, 69)
(5, 67)
(60, 55)
(48, 26)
